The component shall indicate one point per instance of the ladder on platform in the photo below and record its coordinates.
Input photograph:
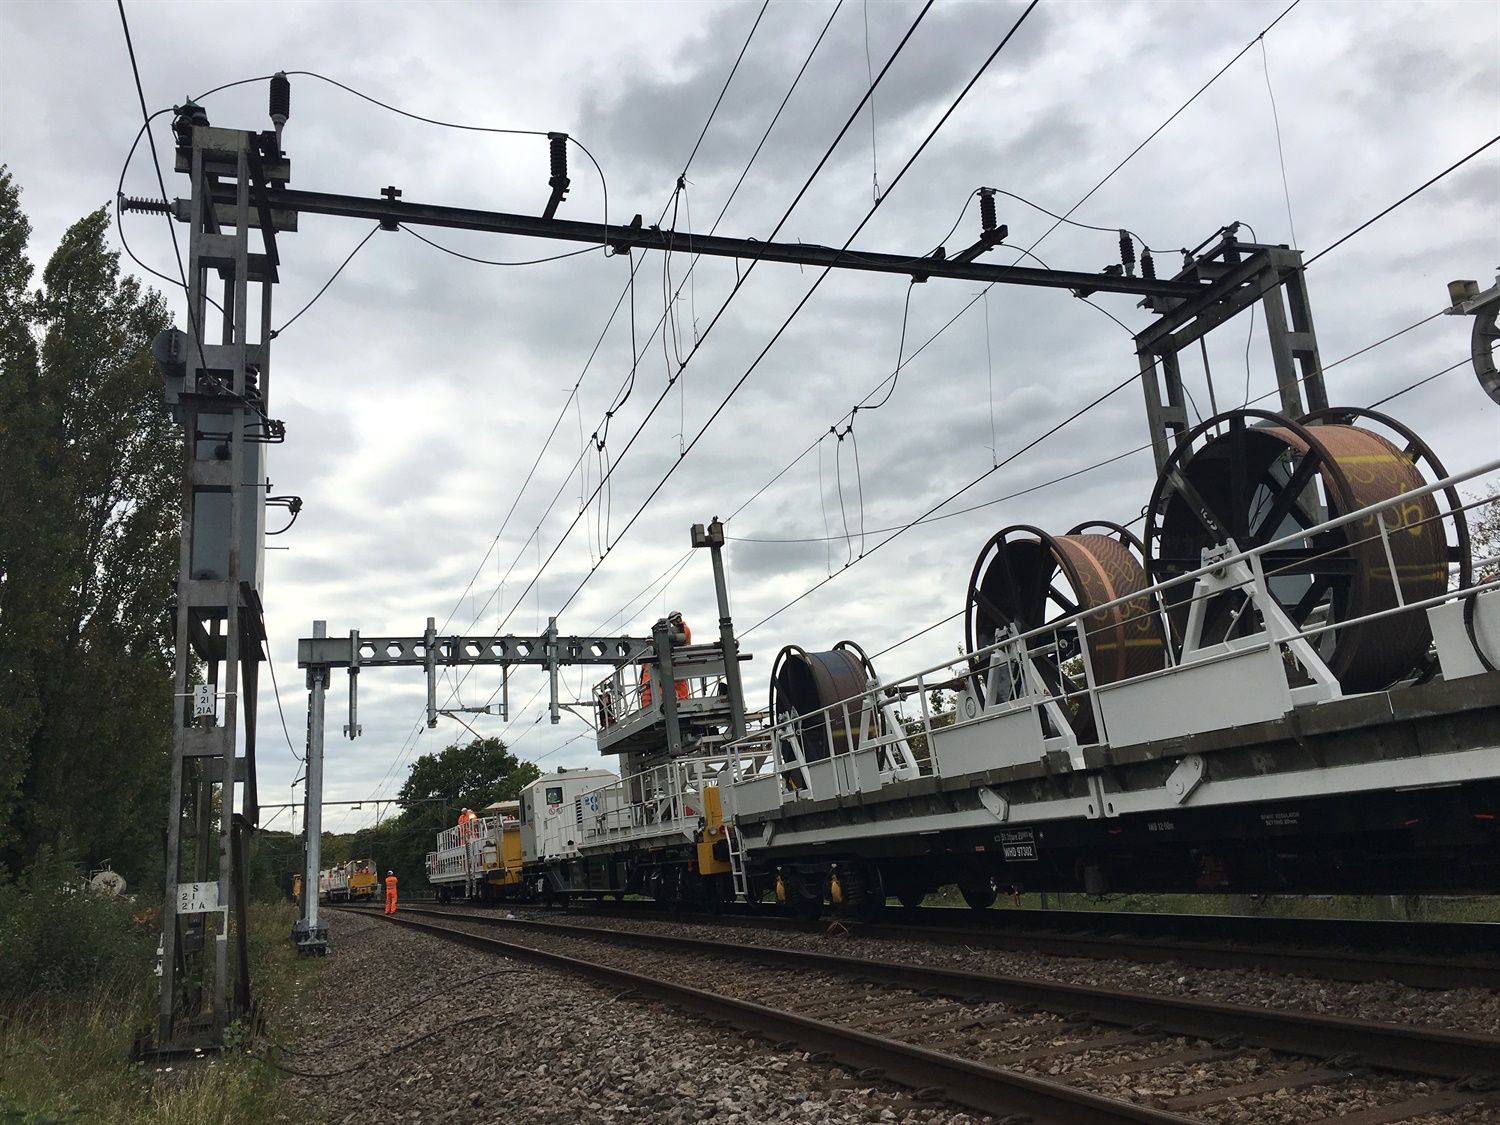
(737, 862)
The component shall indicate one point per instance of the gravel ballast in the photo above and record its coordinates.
(1156, 1080)
(406, 1027)
(1467, 1009)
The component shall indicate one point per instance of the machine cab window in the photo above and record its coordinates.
(554, 795)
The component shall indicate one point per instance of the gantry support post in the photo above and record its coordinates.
(216, 380)
(429, 658)
(1230, 278)
(310, 932)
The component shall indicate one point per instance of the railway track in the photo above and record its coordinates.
(1322, 949)
(1013, 1046)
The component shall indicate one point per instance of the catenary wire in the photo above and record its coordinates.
(826, 270)
(953, 496)
(1097, 464)
(146, 117)
(738, 285)
(1409, 195)
(492, 262)
(775, 117)
(725, 88)
(717, 316)
(276, 690)
(275, 332)
(1420, 382)
(744, 173)
(1175, 114)
(922, 520)
(609, 472)
(1286, 189)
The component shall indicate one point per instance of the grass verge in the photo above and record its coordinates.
(63, 1050)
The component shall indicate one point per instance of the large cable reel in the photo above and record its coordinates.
(1251, 477)
(804, 683)
(1025, 578)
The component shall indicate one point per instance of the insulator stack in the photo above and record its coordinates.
(281, 98)
(987, 217)
(281, 103)
(1148, 265)
(1127, 253)
(558, 150)
(149, 206)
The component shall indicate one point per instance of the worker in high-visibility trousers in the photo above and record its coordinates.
(676, 625)
(390, 892)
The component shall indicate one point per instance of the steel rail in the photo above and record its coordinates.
(1065, 934)
(1422, 1050)
(975, 1085)
(1371, 934)
(1408, 969)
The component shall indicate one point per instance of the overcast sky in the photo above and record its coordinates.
(419, 391)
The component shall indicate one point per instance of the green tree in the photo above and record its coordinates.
(89, 498)
(471, 775)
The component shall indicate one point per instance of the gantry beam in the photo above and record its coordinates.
(629, 237)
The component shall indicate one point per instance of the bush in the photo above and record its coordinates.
(59, 938)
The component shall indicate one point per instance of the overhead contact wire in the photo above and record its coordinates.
(827, 269)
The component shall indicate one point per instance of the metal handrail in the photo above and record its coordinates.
(1077, 620)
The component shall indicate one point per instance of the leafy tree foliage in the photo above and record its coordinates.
(89, 497)
(468, 776)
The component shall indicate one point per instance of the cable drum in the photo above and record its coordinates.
(804, 683)
(1229, 480)
(1025, 577)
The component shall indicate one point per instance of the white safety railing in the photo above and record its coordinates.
(699, 684)
(665, 800)
(460, 849)
(767, 768)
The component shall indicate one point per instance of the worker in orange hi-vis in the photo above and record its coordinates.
(390, 892)
(676, 625)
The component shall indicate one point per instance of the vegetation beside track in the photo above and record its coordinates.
(77, 981)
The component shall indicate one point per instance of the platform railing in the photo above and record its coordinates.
(663, 800)
(769, 760)
(620, 695)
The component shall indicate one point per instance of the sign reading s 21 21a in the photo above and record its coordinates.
(197, 898)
